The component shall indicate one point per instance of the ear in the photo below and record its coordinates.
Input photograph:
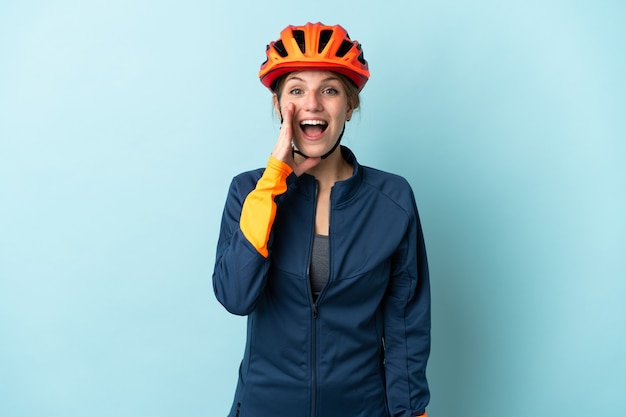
(277, 106)
(349, 114)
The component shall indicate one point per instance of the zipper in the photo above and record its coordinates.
(314, 362)
(314, 305)
(313, 315)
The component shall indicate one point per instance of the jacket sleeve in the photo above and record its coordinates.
(407, 324)
(242, 258)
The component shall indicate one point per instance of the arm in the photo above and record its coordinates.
(242, 258)
(407, 325)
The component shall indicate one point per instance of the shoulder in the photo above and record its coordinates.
(245, 182)
(246, 176)
(389, 187)
(393, 185)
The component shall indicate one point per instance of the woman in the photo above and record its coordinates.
(325, 256)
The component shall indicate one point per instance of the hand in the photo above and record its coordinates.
(283, 150)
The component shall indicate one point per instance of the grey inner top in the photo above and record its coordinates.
(319, 271)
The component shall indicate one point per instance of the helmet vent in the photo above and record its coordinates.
(267, 48)
(325, 36)
(280, 48)
(361, 58)
(298, 35)
(344, 48)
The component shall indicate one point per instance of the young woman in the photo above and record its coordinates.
(325, 256)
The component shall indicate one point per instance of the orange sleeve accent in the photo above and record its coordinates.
(259, 209)
(423, 415)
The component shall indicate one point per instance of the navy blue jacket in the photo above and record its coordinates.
(361, 349)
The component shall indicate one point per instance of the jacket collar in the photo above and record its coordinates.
(342, 190)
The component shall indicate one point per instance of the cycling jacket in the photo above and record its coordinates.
(359, 350)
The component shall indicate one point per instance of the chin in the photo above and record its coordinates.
(316, 149)
(313, 152)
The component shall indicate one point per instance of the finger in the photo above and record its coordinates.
(282, 149)
(287, 119)
(287, 113)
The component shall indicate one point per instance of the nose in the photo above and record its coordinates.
(313, 102)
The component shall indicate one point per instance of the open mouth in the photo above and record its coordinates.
(313, 127)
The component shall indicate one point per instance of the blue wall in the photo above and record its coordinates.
(122, 123)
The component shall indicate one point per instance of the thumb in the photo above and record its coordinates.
(305, 165)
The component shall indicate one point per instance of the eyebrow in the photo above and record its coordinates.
(295, 77)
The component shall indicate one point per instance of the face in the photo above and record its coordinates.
(320, 109)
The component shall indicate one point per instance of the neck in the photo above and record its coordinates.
(332, 169)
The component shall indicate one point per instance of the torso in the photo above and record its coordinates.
(322, 212)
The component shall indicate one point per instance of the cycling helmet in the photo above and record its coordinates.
(314, 46)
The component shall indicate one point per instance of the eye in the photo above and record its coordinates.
(331, 91)
(295, 91)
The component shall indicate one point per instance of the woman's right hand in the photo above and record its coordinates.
(283, 150)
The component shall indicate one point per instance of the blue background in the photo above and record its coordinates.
(122, 123)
